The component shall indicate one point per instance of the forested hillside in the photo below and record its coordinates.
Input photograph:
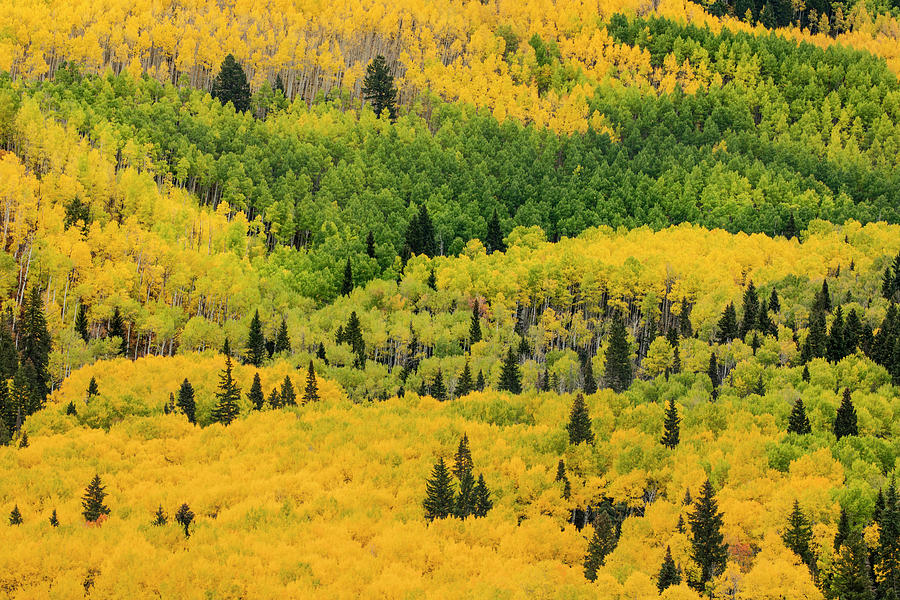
(449, 299)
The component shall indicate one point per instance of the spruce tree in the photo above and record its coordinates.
(798, 422)
(282, 340)
(843, 529)
(255, 396)
(713, 372)
(816, 343)
(617, 372)
(493, 241)
(231, 85)
(288, 395)
(790, 229)
(708, 547)
(751, 308)
(483, 502)
(479, 381)
(774, 302)
(81, 323)
(464, 505)
(23, 441)
(853, 329)
(347, 281)
(160, 518)
(439, 497)
(888, 551)
(9, 358)
(274, 399)
(510, 377)
(228, 395)
(15, 517)
(186, 401)
(834, 346)
(370, 245)
(579, 426)
(462, 460)
(420, 234)
(822, 302)
(845, 421)
(256, 342)
(432, 280)
(805, 374)
(560, 470)
(727, 326)
(378, 88)
(590, 384)
(438, 389)
(798, 536)
(671, 433)
(184, 517)
(93, 389)
(668, 573)
(320, 354)
(117, 330)
(54, 520)
(353, 336)
(475, 326)
(311, 391)
(92, 501)
(70, 410)
(850, 578)
(34, 346)
(602, 543)
(464, 384)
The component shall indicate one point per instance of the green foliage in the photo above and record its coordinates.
(439, 495)
(671, 433)
(92, 501)
(378, 88)
(579, 426)
(669, 574)
(231, 85)
(618, 373)
(708, 547)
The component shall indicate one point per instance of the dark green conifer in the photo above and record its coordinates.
(432, 280)
(353, 336)
(186, 402)
(231, 85)
(347, 281)
(790, 229)
(708, 547)
(420, 237)
(475, 326)
(9, 358)
(602, 543)
(117, 330)
(805, 374)
(70, 409)
(850, 579)
(617, 373)
(798, 536)
(282, 340)
(438, 389)
(834, 346)
(579, 426)
(274, 399)
(228, 395)
(92, 501)
(845, 421)
(843, 529)
(320, 354)
(34, 347)
(590, 384)
(713, 372)
(15, 517)
(853, 329)
(311, 391)
(370, 244)
(92, 389)
(727, 326)
(160, 518)
(256, 342)
(462, 460)
(255, 396)
(23, 441)
(54, 520)
(184, 516)
(81, 322)
(774, 302)
(510, 377)
(483, 502)
(378, 88)
(439, 495)
(671, 433)
(464, 383)
(888, 551)
(464, 505)
(798, 422)
(288, 395)
(669, 574)
(751, 310)
(479, 381)
(493, 241)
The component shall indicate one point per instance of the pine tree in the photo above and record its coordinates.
(54, 520)
(708, 548)
(117, 330)
(255, 396)
(160, 518)
(727, 326)
(278, 85)
(34, 347)
(798, 536)
(464, 383)
(420, 234)
(15, 517)
(70, 410)
(713, 372)
(438, 502)
(438, 389)
(510, 377)
(432, 280)
(186, 401)
(81, 323)
(23, 441)
(590, 384)
(256, 342)
(353, 336)
(311, 391)
(816, 343)
(184, 517)
(888, 285)
(92, 501)
(479, 381)
(845, 421)
(320, 354)
(805, 374)
(228, 395)
(231, 85)
(483, 502)
(92, 389)
(347, 281)
(602, 543)
(579, 426)
(378, 88)
(798, 422)
(493, 241)
(671, 434)
(853, 328)
(282, 341)
(888, 551)
(464, 505)
(834, 346)
(850, 577)
(843, 529)
(790, 229)
(475, 326)
(370, 244)
(668, 573)
(169, 406)
(822, 302)
(617, 373)
(751, 308)
(462, 460)
(774, 302)
(274, 399)
(288, 395)
(9, 358)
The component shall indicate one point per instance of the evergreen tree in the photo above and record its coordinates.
(790, 229)
(15, 517)
(590, 384)
(311, 391)
(579, 426)
(853, 329)
(274, 399)
(708, 548)
(9, 358)
(602, 543)
(727, 326)
(92, 501)
(805, 374)
(483, 502)
(713, 372)
(320, 354)
(186, 401)
(370, 245)
(617, 374)
(255, 396)
(288, 395)
(475, 326)
(561, 471)
(843, 529)
(420, 234)
(353, 336)
(888, 551)
(798, 422)
(347, 282)
(822, 302)
(92, 389)
(282, 341)
(668, 573)
(256, 342)
(888, 285)
(117, 330)
(850, 578)
(278, 85)
(34, 346)
(834, 346)
(464, 384)
(845, 421)
(70, 410)
(160, 518)
(81, 323)
(169, 406)
(510, 377)
(763, 321)
(462, 460)
(671, 434)
(438, 389)
(184, 517)
(378, 88)
(816, 343)
(432, 280)
(228, 395)
(751, 308)
(798, 536)
(494, 238)
(479, 381)
(23, 441)
(54, 520)
(774, 302)
(231, 85)
(438, 502)
(464, 504)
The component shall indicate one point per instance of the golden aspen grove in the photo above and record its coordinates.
(450, 299)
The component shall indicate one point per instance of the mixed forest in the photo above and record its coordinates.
(454, 298)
